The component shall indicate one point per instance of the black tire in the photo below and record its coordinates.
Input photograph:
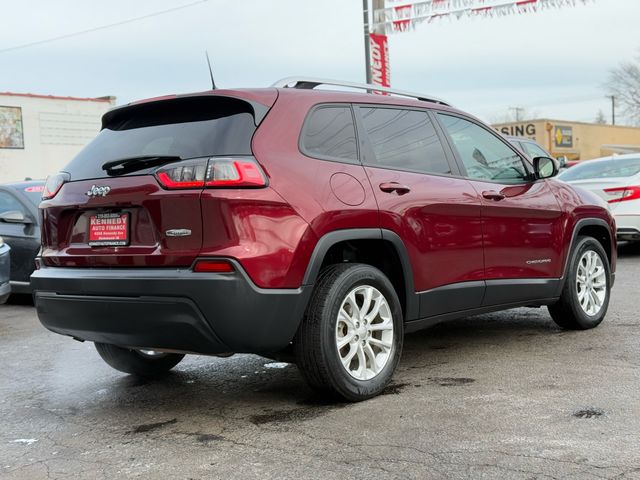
(567, 312)
(138, 363)
(315, 348)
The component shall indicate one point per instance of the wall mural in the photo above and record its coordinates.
(11, 135)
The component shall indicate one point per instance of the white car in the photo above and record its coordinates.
(617, 180)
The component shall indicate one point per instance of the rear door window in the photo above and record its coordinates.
(329, 133)
(484, 155)
(404, 139)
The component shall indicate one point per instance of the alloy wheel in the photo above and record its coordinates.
(591, 283)
(364, 332)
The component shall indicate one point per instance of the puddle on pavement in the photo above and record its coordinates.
(148, 427)
(452, 381)
(281, 416)
(394, 389)
(589, 413)
(207, 437)
(311, 407)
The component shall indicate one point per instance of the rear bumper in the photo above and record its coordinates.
(21, 287)
(171, 309)
(5, 291)
(5, 287)
(628, 234)
(628, 227)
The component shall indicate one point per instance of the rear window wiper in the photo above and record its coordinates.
(131, 164)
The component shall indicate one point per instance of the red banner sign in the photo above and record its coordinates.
(380, 70)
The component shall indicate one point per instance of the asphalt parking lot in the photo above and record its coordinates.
(505, 395)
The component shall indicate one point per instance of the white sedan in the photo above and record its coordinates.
(617, 180)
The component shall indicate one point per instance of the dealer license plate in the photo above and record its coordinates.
(109, 230)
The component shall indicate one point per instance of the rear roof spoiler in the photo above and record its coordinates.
(259, 110)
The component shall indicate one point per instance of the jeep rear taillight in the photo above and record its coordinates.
(212, 173)
(622, 194)
(53, 185)
(187, 174)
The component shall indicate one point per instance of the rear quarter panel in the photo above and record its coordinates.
(305, 183)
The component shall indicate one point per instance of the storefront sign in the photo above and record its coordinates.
(519, 130)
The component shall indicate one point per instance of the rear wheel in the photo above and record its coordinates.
(144, 363)
(585, 296)
(350, 341)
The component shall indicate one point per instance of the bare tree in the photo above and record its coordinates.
(600, 118)
(624, 84)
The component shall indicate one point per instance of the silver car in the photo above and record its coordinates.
(616, 180)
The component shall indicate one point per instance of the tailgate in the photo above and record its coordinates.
(131, 198)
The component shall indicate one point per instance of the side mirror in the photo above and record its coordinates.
(14, 216)
(545, 167)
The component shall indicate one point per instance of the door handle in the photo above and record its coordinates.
(391, 187)
(492, 195)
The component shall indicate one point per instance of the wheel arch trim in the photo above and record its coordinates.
(585, 222)
(332, 238)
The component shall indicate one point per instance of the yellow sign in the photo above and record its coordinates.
(564, 137)
(559, 136)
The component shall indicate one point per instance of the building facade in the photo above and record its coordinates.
(39, 134)
(576, 140)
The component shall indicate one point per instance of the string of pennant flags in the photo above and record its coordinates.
(406, 16)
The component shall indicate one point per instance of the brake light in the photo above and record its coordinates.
(213, 266)
(227, 172)
(622, 194)
(212, 173)
(53, 185)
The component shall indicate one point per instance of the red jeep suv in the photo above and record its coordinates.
(316, 222)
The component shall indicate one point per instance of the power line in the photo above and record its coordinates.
(102, 27)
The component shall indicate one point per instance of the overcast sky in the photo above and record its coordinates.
(552, 63)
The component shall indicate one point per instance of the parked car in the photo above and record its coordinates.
(617, 181)
(5, 286)
(532, 149)
(317, 222)
(19, 226)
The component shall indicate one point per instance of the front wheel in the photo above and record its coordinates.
(350, 341)
(585, 296)
(144, 363)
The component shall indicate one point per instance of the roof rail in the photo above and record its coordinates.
(311, 83)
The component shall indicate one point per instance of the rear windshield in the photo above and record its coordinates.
(627, 167)
(186, 127)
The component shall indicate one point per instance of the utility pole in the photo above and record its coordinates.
(613, 108)
(367, 42)
(518, 111)
(377, 5)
